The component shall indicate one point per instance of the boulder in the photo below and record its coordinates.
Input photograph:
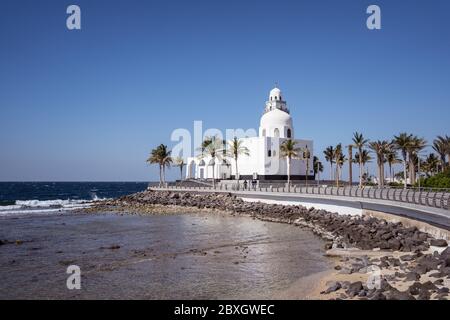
(438, 243)
(415, 288)
(395, 244)
(378, 295)
(445, 254)
(424, 295)
(407, 257)
(334, 286)
(443, 290)
(412, 276)
(354, 288)
(395, 294)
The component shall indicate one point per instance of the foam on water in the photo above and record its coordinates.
(52, 197)
(44, 206)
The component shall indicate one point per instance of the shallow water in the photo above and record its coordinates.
(188, 256)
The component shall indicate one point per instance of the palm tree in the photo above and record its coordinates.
(359, 142)
(339, 159)
(306, 157)
(206, 141)
(363, 159)
(214, 148)
(417, 144)
(318, 166)
(430, 165)
(440, 146)
(381, 148)
(402, 143)
(235, 149)
(392, 159)
(444, 149)
(179, 162)
(155, 159)
(447, 147)
(161, 156)
(329, 157)
(340, 164)
(289, 150)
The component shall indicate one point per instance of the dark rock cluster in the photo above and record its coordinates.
(416, 269)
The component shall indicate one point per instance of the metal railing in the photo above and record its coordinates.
(430, 197)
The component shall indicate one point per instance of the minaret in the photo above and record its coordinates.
(276, 101)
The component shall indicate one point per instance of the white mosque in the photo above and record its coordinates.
(264, 161)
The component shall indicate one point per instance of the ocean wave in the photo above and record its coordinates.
(51, 203)
(45, 206)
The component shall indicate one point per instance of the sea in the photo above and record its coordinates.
(19, 198)
(126, 256)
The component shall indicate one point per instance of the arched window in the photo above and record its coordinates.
(289, 133)
(264, 132)
(276, 132)
(269, 153)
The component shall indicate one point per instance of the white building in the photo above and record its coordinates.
(264, 161)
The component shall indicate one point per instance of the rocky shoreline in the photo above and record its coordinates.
(411, 264)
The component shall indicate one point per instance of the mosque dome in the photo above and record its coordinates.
(276, 120)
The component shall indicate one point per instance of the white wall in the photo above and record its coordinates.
(259, 162)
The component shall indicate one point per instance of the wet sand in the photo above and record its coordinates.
(179, 256)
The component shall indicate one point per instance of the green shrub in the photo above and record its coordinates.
(441, 180)
(395, 184)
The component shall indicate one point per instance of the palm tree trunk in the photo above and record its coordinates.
(404, 173)
(160, 176)
(181, 173)
(289, 171)
(164, 174)
(411, 171)
(307, 171)
(379, 175)
(337, 175)
(331, 171)
(360, 171)
(236, 165)
(213, 177)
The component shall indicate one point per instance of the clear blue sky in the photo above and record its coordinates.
(90, 104)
